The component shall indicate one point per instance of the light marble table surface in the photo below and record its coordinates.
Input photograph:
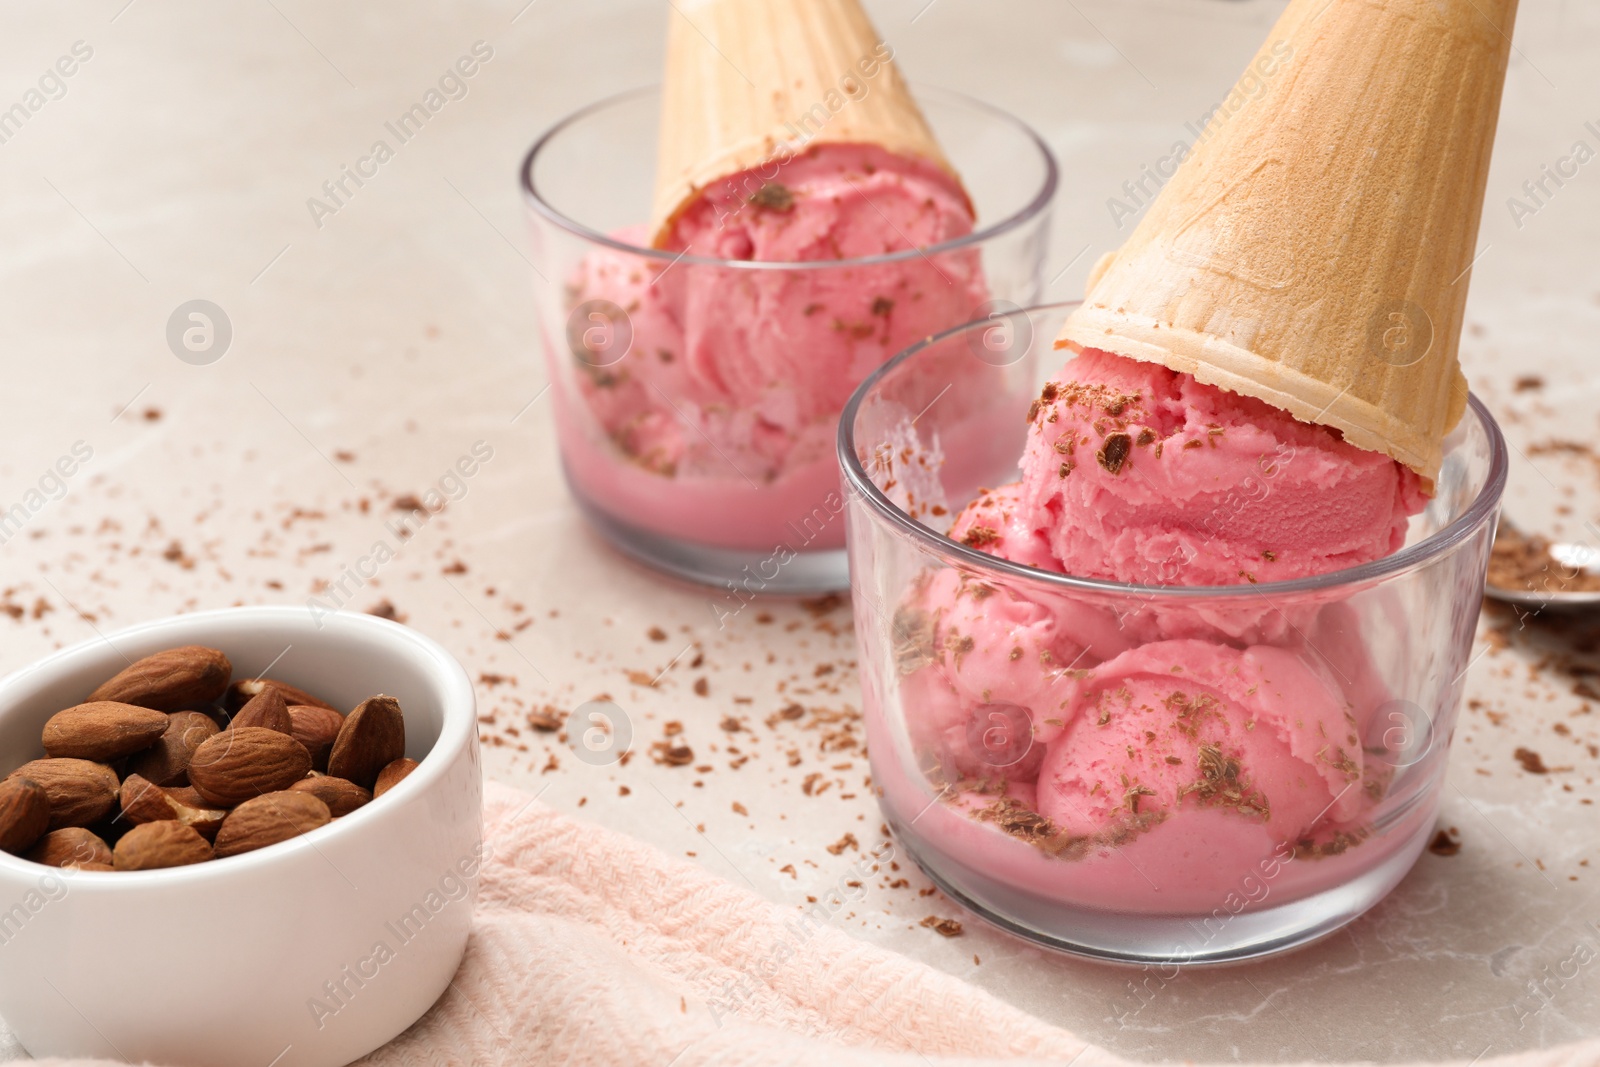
(372, 350)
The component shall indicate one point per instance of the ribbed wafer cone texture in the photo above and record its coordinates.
(1313, 250)
(750, 83)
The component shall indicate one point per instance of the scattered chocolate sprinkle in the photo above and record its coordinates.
(656, 633)
(702, 687)
(773, 197)
(847, 841)
(817, 607)
(942, 927)
(980, 536)
(913, 636)
(546, 719)
(1445, 843)
(385, 609)
(1528, 383)
(670, 755)
(408, 502)
(882, 306)
(1522, 562)
(1531, 761)
(1114, 452)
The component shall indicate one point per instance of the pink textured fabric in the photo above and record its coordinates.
(593, 949)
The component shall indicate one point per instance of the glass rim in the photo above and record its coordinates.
(858, 483)
(1040, 200)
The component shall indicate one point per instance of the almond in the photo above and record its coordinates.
(160, 844)
(269, 819)
(240, 692)
(246, 762)
(393, 775)
(81, 793)
(72, 847)
(143, 801)
(266, 709)
(187, 795)
(24, 814)
(167, 761)
(170, 681)
(341, 796)
(372, 737)
(315, 727)
(103, 730)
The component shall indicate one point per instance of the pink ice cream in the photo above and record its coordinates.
(717, 425)
(1179, 725)
(1138, 474)
(1199, 757)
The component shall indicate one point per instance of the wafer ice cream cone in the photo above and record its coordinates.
(1314, 247)
(752, 83)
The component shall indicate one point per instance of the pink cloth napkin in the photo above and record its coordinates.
(593, 949)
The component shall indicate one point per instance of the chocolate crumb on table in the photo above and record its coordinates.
(546, 719)
(942, 927)
(1531, 761)
(671, 755)
(1445, 842)
(847, 841)
(385, 609)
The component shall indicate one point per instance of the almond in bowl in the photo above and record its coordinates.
(155, 778)
(250, 772)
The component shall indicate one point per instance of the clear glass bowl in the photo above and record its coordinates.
(1355, 677)
(698, 465)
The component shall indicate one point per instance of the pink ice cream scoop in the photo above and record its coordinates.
(1180, 726)
(1141, 475)
(1001, 524)
(735, 376)
(988, 666)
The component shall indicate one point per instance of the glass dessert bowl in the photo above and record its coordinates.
(697, 398)
(1147, 772)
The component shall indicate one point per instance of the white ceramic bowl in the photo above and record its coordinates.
(314, 951)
